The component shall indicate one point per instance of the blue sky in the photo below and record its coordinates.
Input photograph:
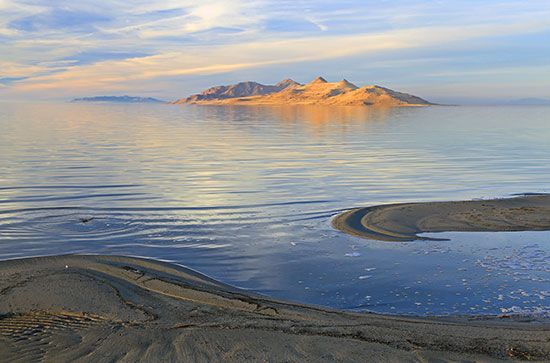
(450, 51)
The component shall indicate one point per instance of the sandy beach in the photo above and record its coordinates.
(274, 181)
(108, 308)
(404, 221)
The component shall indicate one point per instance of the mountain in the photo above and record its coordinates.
(530, 102)
(316, 92)
(242, 89)
(118, 99)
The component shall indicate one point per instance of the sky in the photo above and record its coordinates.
(446, 51)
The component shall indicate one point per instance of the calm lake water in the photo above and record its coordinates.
(246, 196)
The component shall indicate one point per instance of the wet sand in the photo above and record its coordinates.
(108, 308)
(403, 222)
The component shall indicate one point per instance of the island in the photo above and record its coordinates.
(317, 92)
(118, 99)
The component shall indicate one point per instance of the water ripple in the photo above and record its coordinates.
(246, 195)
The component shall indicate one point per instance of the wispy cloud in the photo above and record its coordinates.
(99, 46)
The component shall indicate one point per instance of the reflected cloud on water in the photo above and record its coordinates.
(245, 194)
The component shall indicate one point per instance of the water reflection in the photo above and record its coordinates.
(314, 119)
(245, 194)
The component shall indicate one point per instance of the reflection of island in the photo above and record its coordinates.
(317, 92)
(321, 115)
(312, 119)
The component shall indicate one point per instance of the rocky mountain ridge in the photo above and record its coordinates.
(317, 92)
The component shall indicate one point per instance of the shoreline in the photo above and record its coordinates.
(402, 222)
(98, 308)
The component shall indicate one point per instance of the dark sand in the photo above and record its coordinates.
(402, 222)
(101, 308)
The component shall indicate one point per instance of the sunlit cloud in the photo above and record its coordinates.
(102, 46)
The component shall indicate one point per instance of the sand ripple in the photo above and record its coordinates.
(100, 308)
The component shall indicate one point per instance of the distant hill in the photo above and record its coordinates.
(118, 99)
(530, 101)
(242, 89)
(317, 92)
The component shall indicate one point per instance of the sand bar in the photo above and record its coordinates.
(108, 308)
(403, 222)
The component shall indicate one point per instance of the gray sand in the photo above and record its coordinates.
(107, 308)
(402, 222)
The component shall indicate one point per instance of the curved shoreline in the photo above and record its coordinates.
(404, 221)
(98, 308)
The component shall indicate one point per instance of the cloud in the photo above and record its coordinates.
(59, 19)
(6, 32)
(91, 57)
(198, 60)
(193, 18)
(16, 70)
(8, 80)
(104, 45)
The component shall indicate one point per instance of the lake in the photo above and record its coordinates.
(246, 195)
